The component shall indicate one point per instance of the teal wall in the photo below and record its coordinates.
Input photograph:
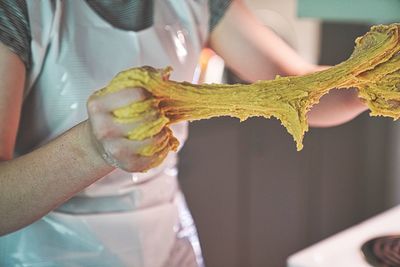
(369, 11)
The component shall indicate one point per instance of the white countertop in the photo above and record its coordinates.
(343, 249)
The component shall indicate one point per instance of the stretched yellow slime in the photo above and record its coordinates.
(373, 68)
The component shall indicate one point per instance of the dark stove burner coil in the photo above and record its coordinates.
(383, 251)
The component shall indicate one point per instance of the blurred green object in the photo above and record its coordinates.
(367, 11)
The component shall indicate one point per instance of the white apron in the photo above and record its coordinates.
(124, 219)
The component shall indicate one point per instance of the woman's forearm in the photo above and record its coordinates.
(36, 183)
(255, 52)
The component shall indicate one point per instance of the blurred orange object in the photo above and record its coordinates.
(210, 68)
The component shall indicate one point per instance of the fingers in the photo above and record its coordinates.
(135, 110)
(129, 112)
(129, 129)
(140, 163)
(122, 147)
(105, 126)
(112, 101)
(126, 152)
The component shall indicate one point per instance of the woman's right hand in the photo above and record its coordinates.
(110, 135)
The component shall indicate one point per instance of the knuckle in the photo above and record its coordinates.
(134, 94)
(139, 93)
(134, 165)
(94, 106)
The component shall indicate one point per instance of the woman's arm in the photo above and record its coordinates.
(252, 50)
(36, 183)
(12, 73)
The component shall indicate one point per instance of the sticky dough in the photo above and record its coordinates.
(373, 68)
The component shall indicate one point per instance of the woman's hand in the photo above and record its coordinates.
(336, 107)
(110, 134)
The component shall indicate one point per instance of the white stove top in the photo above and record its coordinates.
(343, 249)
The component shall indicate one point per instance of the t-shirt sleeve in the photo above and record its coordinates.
(217, 11)
(14, 28)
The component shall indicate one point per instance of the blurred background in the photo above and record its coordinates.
(255, 199)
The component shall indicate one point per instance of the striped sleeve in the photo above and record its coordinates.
(14, 28)
(217, 11)
(132, 15)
